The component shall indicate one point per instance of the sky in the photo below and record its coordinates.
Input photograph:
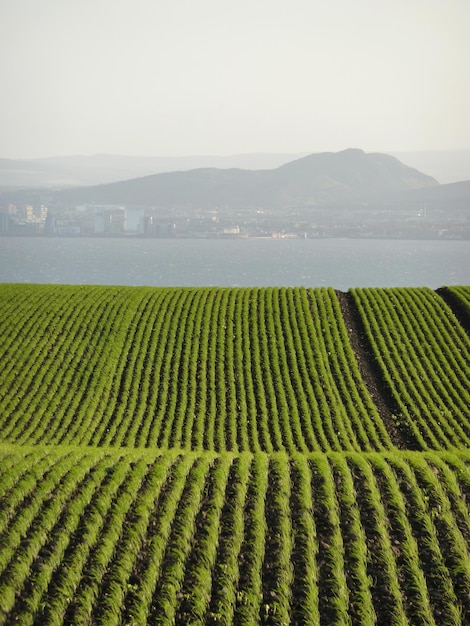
(221, 77)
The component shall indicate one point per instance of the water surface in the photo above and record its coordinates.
(339, 263)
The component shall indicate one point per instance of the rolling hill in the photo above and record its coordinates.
(342, 178)
(447, 166)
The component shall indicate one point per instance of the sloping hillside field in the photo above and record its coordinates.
(234, 456)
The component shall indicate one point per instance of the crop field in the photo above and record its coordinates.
(423, 356)
(463, 293)
(234, 456)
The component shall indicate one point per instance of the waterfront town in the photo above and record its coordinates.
(226, 222)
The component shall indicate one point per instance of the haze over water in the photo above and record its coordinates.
(338, 263)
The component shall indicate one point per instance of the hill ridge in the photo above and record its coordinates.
(322, 178)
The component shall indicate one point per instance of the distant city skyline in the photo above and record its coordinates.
(189, 78)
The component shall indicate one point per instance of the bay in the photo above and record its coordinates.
(338, 263)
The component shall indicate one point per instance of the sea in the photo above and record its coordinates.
(337, 263)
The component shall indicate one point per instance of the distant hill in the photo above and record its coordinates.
(446, 166)
(326, 179)
(453, 196)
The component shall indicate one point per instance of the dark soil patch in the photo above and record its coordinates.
(247, 559)
(144, 556)
(431, 560)
(459, 308)
(411, 597)
(450, 552)
(455, 499)
(224, 549)
(186, 610)
(351, 570)
(175, 549)
(372, 374)
(382, 597)
(275, 590)
(46, 550)
(325, 557)
(301, 546)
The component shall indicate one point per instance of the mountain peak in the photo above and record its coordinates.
(326, 178)
(351, 151)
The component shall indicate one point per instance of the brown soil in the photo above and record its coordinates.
(430, 557)
(351, 570)
(225, 546)
(383, 599)
(372, 374)
(410, 591)
(459, 309)
(301, 546)
(325, 557)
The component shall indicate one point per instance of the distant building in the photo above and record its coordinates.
(4, 222)
(150, 226)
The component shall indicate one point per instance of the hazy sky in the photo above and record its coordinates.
(189, 77)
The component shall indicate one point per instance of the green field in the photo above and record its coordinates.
(234, 455)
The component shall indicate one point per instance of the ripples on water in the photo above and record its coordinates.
(339, 263)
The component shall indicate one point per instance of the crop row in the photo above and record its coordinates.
(217, 369)
(227, 369)
(462, 292)
(94, 536)
(423, 354)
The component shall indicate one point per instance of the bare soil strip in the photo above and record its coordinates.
(461, 312)
(371, 373)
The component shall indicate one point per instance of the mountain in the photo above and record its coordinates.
(325, 179)
(453, 196)
(446, 166)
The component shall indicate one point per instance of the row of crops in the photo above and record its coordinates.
(95, 536)
(424, 355)
(229, 369)
(234, 456)
(461, 293)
